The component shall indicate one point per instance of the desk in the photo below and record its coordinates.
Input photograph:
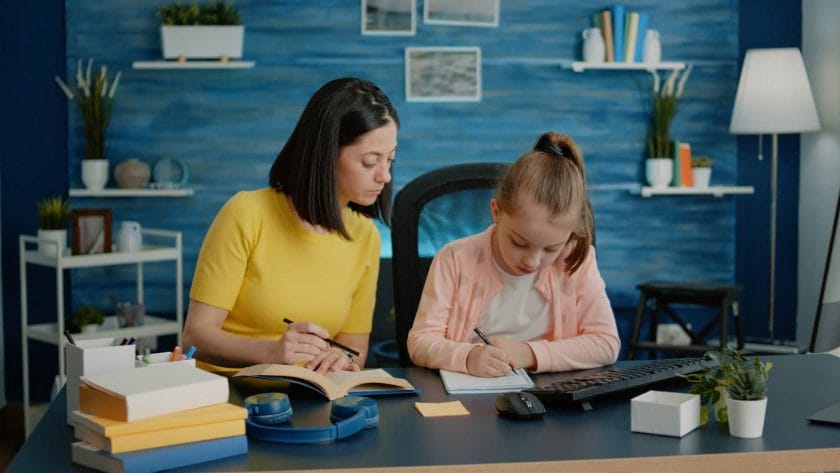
(567, 438)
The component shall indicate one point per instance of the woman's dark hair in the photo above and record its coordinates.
(337, 115)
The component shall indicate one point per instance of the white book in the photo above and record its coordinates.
(461, 383)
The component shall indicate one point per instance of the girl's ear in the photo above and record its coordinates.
(494, 210)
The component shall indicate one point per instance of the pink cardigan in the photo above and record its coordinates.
(463, 279)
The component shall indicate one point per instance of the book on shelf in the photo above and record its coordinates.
(617, 12)
(334, 384)
(462, 383)
(192, 425)
(154, 390)
(641, 35)
(630, 31)
(686, 179)
(158, 459)
(607, 31)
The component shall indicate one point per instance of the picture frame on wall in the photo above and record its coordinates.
(389, 17)
(91, 231)
(443, 74)
(461, 12)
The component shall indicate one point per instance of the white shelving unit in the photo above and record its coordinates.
(716, 191)
(53, 333)
(581, 66)
(180, 192)
(192, 65)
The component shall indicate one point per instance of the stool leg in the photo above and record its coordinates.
(739, 335)
(637, 324)
(724, 323)
(654, 324)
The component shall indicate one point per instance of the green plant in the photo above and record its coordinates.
(701, 162)
(53, 213)
(96, 98)
(87, 315)
(664, 109)
(213, 13)
(736, 375)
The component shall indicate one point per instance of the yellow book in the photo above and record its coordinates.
(159, 438)
(203, 415)
(631, 36)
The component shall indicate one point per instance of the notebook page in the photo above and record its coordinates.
(464, 384)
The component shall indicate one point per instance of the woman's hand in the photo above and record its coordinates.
(302, 342)
(334, 359)
(519, 353)
(487, 361)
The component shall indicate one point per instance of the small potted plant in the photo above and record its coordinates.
(210, 31)
(659, 165)
(701, 171)
(88, 318)
(53, 213)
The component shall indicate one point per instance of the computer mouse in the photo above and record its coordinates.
(519, 405)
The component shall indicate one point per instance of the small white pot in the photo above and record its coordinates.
(52, 242)
(202, 42)
(659, 171)
(89, 328)
(95, 173)
(701, 176)
(746, 418)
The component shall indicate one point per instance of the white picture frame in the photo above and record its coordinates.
(461, 12)
(389, 17)
(443, 74)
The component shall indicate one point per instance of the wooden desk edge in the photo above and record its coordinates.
(783, 461)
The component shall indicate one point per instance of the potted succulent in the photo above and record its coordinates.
(659, 165)
(737, 391)
(53, 213)
(88, 318)
(95, 95)
(210, 31)
(701, 171)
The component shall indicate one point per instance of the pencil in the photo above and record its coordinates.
(333, 342)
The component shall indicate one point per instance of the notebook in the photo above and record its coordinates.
(829, 415)
(460, 383)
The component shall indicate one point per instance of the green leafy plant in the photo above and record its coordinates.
(664, 109)
(88, 315)
(739, 377)
(213, 13)
(53, 213)
(701, 162)
(96, 98)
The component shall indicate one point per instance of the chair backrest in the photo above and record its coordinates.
(423, 221)
(826, 333)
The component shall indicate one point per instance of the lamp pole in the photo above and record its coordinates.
(774, 170)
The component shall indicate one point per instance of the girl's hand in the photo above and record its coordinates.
(519, 353)
(334, 359)
(302, 342)
(487, 362)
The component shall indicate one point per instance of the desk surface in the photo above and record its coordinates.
(567, 437)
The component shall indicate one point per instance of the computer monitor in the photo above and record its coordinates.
(826, 333)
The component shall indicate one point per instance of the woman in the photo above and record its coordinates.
(304, 249)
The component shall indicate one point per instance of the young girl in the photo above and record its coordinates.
(529, 282)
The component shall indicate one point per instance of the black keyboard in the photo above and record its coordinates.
(615, 379)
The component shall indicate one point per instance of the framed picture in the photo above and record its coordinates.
(448, 74)
(389, 17)
(461, 12)
(91, 231)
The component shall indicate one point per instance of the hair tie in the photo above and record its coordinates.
(547, 146)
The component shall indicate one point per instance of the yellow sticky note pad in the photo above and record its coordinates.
(440, 409)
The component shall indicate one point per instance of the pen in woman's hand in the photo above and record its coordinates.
(487, 342)
(345, 348)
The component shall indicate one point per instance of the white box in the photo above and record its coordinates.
(665, 413)
(87, 357)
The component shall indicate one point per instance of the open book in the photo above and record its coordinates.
(335, 384)
(461, 383)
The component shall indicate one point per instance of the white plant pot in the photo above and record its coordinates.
(701, 176)
(659, 171)
(202, 42)
(89, 328)
(95, 173)
(52, 242)
(746, 418)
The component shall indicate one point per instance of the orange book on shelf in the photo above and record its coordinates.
(685, 165)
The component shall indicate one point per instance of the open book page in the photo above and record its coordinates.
(462, 383)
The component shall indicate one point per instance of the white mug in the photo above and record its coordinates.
(130, 238)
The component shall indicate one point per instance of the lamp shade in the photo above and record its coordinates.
(774, 95)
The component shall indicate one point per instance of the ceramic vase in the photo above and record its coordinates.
(95, 173)
(132, 174)
(652, 49)
(593, 45)
(52, 242)
(659, 171)
(701, 177)
(746, 418)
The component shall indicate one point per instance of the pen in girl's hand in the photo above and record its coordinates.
(483, 337)
(333, 342)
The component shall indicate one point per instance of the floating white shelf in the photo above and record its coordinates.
(152, 326)
(181, 192)
(192, 65)
(717, 191)
(580, 66)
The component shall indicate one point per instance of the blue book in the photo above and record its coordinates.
(641, 31)
(618, 31)
(157, 459)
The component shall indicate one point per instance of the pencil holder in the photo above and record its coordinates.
(162, 357)
(87, 357)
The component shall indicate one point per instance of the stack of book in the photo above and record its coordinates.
(153, 418)
(624, 33)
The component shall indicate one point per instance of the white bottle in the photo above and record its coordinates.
(593, 45)
(652, 52)
(131, 239)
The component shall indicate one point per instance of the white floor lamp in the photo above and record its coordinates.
(773, 97)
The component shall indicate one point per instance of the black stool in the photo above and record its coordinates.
(656, 296)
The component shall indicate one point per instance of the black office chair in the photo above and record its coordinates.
(423, 221)
(826, 333)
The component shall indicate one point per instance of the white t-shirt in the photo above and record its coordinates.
(518, 311)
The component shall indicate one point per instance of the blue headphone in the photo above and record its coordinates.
(267, 411)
